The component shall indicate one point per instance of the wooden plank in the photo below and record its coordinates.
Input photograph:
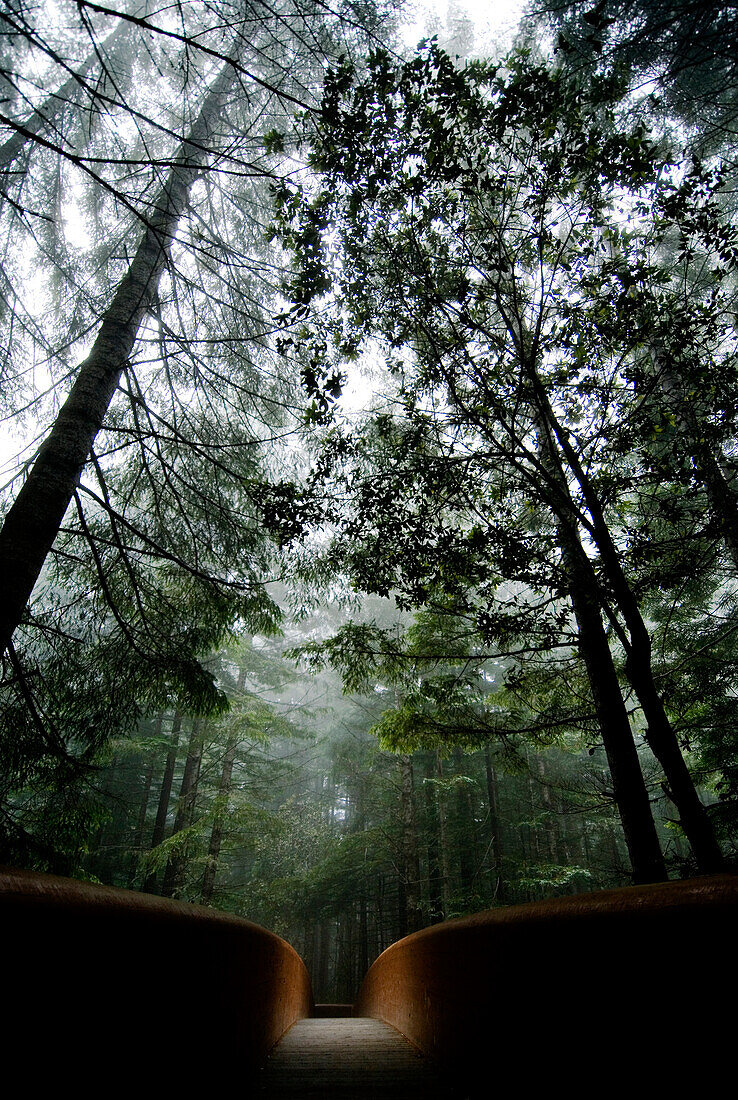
(348, 1059)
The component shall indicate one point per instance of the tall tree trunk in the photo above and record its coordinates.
(465, 827)
(44, 117)
(379, 910)
(535, 846)
(216, 833)
(221, 808)
(141, 823)
(410, 864)
(165, 792)
(659, 734)
(549, 827)
(344, 981)
(495, 826)
(629, 789)
(363, 944)
(308, 941)
(33, 521)
(184, 817)
(323, 968)
(138, 838)
(435, 894)
(443, 853)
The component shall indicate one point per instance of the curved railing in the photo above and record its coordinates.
(598, 988)
(587, 992)
(136, 985)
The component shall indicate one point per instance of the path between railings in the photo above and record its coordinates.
(349, 1059)
(613, 988)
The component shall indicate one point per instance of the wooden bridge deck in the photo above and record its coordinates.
(349, 1059)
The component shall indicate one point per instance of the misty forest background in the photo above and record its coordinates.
(383, 554)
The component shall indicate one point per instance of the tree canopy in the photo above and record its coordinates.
(214, 217)
(138, 293)
(517, 246)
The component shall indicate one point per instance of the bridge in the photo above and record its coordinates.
(108, 989)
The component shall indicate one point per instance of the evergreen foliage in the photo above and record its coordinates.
(531, 688)
(138, 291)
(680, 55)
(472, 218)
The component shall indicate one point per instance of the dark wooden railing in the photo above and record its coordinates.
(150, 993)
(590, 994)
(594, 994)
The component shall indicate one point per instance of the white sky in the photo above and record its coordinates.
(492, 19)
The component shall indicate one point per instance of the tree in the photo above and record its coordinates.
(139, 230)
(36, 514)
(33, 521)
(686, 50)
(338, 843)
(474, 209)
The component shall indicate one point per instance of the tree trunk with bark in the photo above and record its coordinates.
(138, 839)
(659, 734)
(165, 793)
(411, 915)
(629, 789)
(33, 521)
(216, 833)
(549, 827)
(321, 974)
(185, 815)
(443, 854)
(221, 808)
(435, 893)
(465, 826)
(495, 826)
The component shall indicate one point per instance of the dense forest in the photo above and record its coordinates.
(370, 468)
